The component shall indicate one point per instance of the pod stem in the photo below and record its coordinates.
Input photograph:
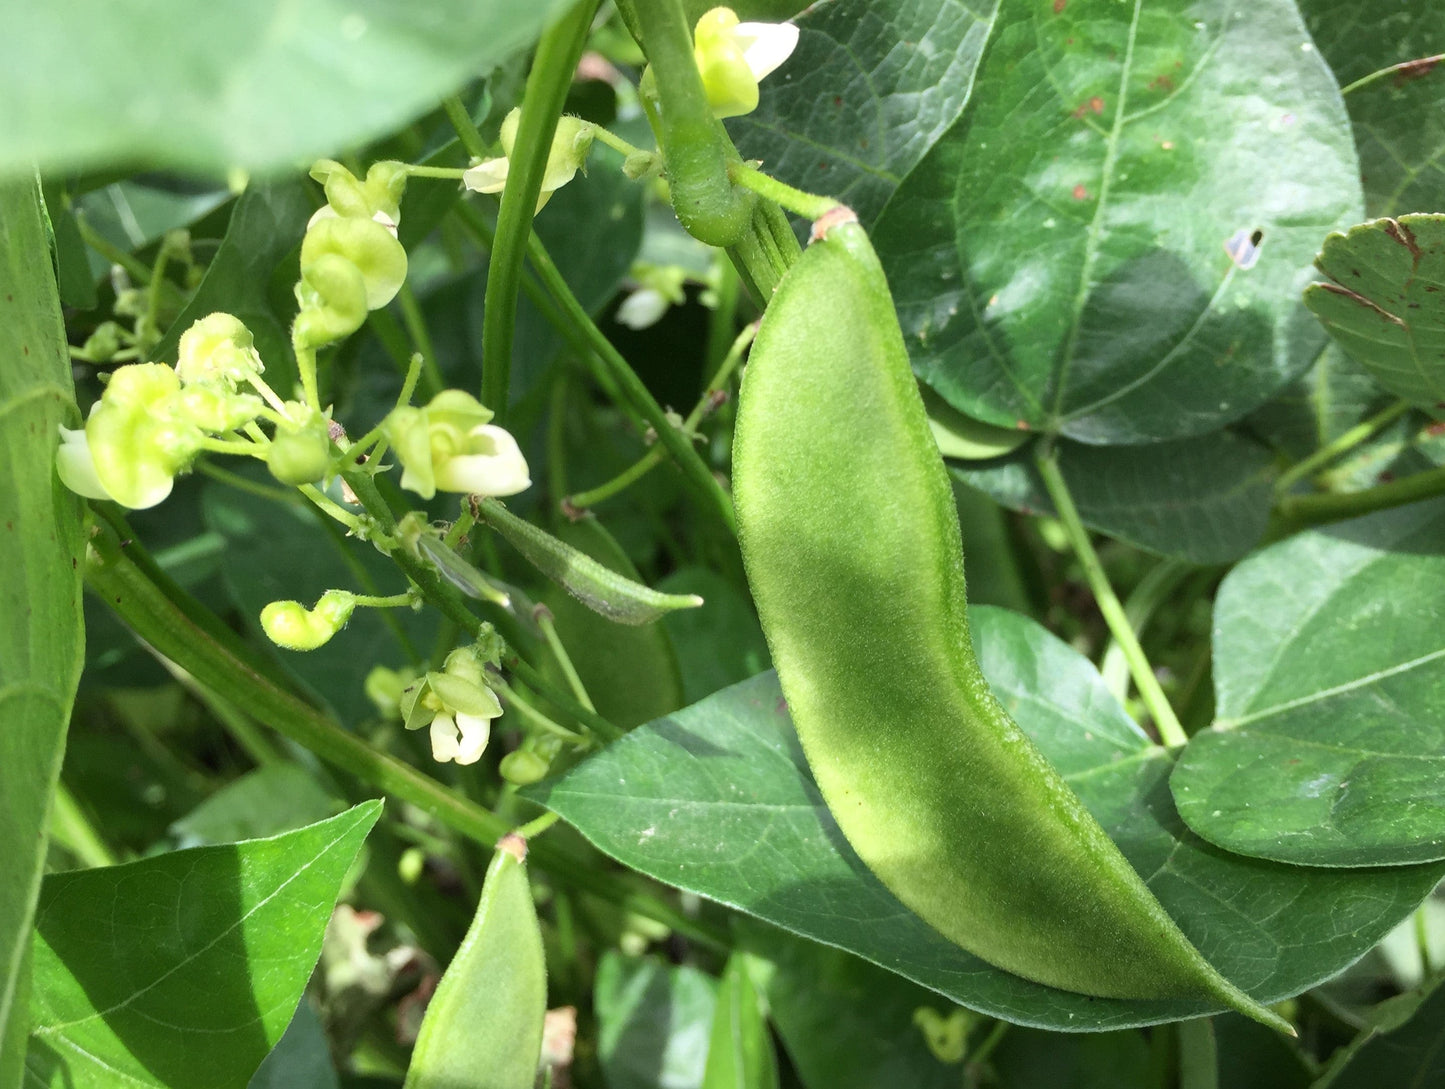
(1165, 720)
(542, 102)
(808, 205)
(1361, 432)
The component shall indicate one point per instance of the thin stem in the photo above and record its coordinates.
(990, 1044)
(73, 831)
(543, 616)
(552, 70)
(453, 172)
(328, 506)
(1198, 1058)
(1167, 723)
(466, 128)
(534, 828)
(236, 480)
(1419, 66)
(534, 717)
(1422, 940)
(631, 388)
(162, 616)
(391, 601)
(1361, 432)
(807, 205)
(1297, 511)
(240, 447)
(1153, 590)
(415, 323)
(615, 142)
(306, 367)
(640, 468)
(246, 733)
(112, 253)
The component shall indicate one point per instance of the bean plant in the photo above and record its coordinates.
(633, 544)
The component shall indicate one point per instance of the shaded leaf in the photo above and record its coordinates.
(256, 85)
(1028, 1059)
(717, 799)
(183, 970)
(740, 1048)
(1110, 241)
(1319, 406)
(718, 644)
(1399, 114)
(653, 1022)
(42, 636)
(1206, 500)
(1405, 1046)
(1329, 672)
(1254, 1057)
(272, 799)
(301, 1059)
(1385, 302)
(870, 87)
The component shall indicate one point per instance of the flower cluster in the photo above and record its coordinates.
(351, 261)
(451, 445)
(456, 706)
(152, 420)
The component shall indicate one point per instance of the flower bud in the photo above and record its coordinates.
(733, 56)
(332, 296)
(377, 255)
(450, 446)
(523, 768)
(570, 145)
(302, 454)
(377, 198)
(215, 409)
(218, 349)
(384, 688)
(291, 625)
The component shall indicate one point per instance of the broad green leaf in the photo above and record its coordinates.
(718, 644)
(41, 637)
(266, 226)
(281, 552)
(272, 799)
(1405, 1046)
(872, 85)
(182, 970)
(740, 1048)
(717, 799)
(258, 85)
(1386, 56)
(1079, 252)
(1205, 499)
(1385, 302)
(653, 1022)
(301, 1059)
(483, 1027)
(1329, 668)
(845, 1023)
(630, 673)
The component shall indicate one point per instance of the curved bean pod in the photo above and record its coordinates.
(852, 547)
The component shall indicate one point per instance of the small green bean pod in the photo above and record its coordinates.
(852, 546)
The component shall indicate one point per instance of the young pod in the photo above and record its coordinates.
(851, 542)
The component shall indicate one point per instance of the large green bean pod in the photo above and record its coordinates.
(852, 547)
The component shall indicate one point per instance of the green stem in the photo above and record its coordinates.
(73, 831)
(466, 128)
(246, 734)
(415, 322)
(453, 172)
(332, 509)
(159, 619)
(135, 267)
(1198, 1059)
(534, 828)
(807, 205)
(615, 142)
(1422, 940)
(990, 1044)
(640, 468)
(1299, 511)
(632, 389)
(551, 76)
(543, 616)
(533, 717)
(1419, 66)
(1361, 432)
(1153, 590)
(1167, 723)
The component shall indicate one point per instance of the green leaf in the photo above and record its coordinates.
(653, 1022)
(846, 1024)
(483, 1027)
(1329, 676)
(273, 799)
(281, 552)
(740, 1048)
(718, 644)
(1404, 1046)
(716, 799)
(183, 970)
(1319, 406)
(301, 1059)
(870, 88)
(1385, 302)
(266, 226)
(1206, 500)
(42, 637)
(256, 85)
(1386, 56)
(1076, 254)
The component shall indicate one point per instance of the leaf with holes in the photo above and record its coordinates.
(1111, 241)
(1329, 665)
(182, 971)
(1385, 302)
(870, 87)
(717, 799)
